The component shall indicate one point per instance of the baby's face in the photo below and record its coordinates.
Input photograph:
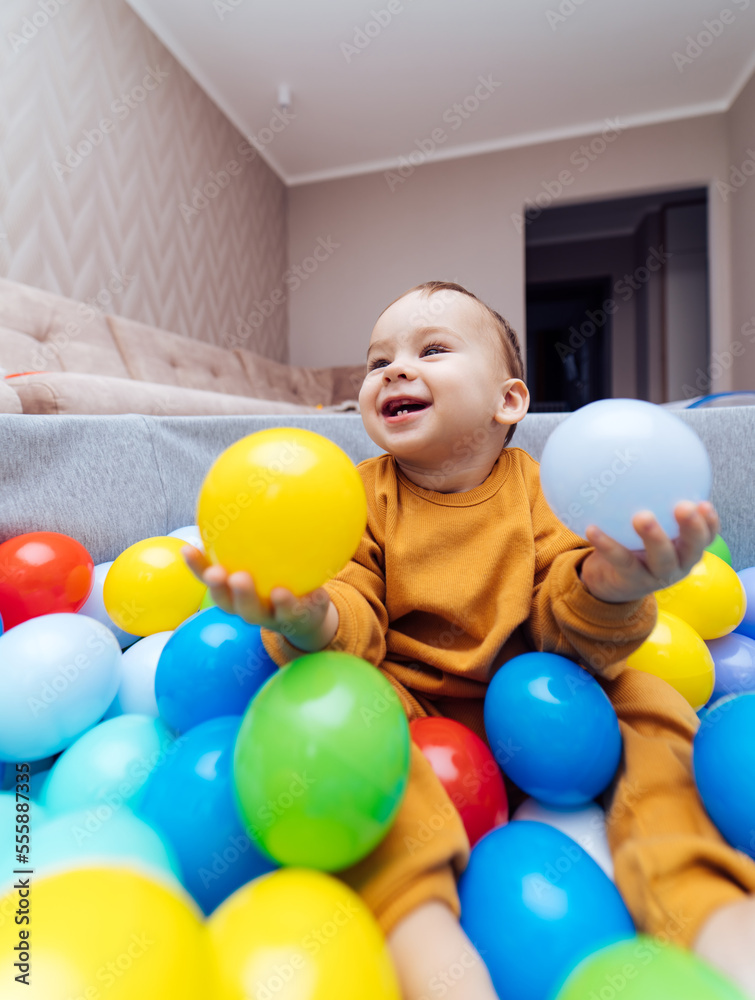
(436, 350)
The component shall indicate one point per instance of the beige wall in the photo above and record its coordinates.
(111, 225)
(453, 220)
(741, 203)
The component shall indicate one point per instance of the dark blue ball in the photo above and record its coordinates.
(190, 799)
(534, 904)
(552, 729)
(723, 760)
(212, 665)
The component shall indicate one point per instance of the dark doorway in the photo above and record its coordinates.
(647, 257)
(568, 344)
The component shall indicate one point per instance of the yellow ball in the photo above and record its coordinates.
(100, 933)
(710, 598)
(299, 933)
(675, 652)
(286, 505)
(149, 588)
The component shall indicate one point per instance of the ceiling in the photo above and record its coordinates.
(373, 83)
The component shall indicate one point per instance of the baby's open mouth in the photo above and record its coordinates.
(396, 407)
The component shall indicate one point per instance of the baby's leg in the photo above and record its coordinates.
(409, 883)
(432, 953)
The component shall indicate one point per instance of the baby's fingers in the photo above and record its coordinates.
(246, 601)
(196, 561)
(694, 532)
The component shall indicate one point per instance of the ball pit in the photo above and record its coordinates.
(189, 806)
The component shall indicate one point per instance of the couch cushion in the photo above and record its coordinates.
(62, 334)
(70, 392)
(270, 379)
(154, 355)
(10, 401)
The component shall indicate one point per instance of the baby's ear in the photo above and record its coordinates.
(515, 402)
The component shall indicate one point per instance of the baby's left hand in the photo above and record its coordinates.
(614, 574)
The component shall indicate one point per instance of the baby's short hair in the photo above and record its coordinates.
(510, 353)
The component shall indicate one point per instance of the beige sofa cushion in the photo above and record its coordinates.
(69, 392)
(41, 330)
(154, 355)
(10, 402)
(268, 378)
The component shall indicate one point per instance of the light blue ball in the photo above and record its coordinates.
(109, 764)
(615, 457)
(58, 674)
(101, 836)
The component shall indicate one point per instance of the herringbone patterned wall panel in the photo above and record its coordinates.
(103, 139)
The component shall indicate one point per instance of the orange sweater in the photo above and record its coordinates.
(446, 587)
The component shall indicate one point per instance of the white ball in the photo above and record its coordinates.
(611, 459)
(137, 691)
(95, 607)
(585, 825)
(189, 533)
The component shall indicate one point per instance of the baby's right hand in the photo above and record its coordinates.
(300, 619)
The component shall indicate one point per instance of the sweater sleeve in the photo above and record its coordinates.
(358, 592)
(672, 866)
(565, 618)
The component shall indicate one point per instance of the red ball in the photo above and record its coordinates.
(467, 770)
(42, 573)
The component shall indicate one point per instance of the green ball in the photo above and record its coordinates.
(644, 968)
(321, 761)
(719, 548)
(207, 601)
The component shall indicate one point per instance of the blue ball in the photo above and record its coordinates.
(723, 760)
(615, 457)
(534, 904)
(212, 665)
(552, 729)
(747, 625)
(191, 800)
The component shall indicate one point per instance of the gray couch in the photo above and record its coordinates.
(110, 481)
